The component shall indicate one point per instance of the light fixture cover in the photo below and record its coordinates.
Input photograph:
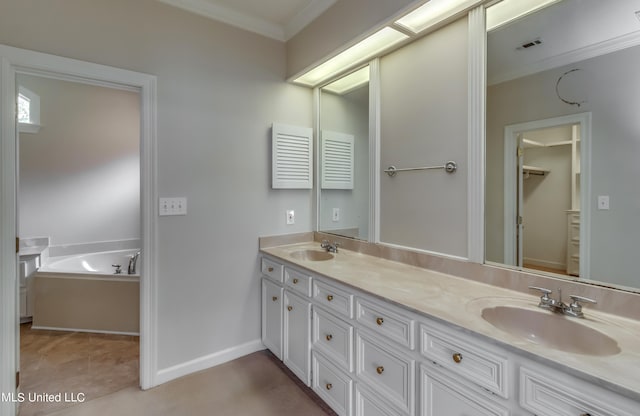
(507, 11)
(360, 52)
(432, 12)
(349, 82)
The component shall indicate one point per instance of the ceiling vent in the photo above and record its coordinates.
(530, 44)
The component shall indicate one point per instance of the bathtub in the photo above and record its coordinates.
(92, 263)
(82, 293)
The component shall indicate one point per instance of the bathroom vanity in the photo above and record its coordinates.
(376, 337)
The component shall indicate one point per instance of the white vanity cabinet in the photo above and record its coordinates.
(366, 356)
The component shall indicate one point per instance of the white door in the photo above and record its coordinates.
(272, 317)
(297, 335)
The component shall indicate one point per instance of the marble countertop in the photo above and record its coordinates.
(459, 302)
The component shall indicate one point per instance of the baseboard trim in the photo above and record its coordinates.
(208, 361)
(96, 331)
(545, 263)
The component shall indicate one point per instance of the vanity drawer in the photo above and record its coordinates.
(466, 357)
(272, 269)
(368, 403)
(333, 298)
(297, 281)
(554, 394)
(333, 337)
(386, 322)
(387, 371)
(332, 385)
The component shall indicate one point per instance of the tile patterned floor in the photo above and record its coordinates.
(74, 362)
(105, 368)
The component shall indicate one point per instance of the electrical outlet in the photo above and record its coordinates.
(603, 202)
(336, 215)
(173, 206)
(291, 217)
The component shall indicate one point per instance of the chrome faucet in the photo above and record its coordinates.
(331, 248)
(132, 263)
(557, 305)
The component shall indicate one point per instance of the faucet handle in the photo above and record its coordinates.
(575, 308)
(324, 243)
(545, 291)
(545, 300)
(576, 299)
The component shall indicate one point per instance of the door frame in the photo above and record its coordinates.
(511, 133)
(15, 61)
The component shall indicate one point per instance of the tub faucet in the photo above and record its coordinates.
(132, 263)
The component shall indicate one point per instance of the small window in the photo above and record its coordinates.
(28, 111)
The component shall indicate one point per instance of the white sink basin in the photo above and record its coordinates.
(551, 330)
(312, 255)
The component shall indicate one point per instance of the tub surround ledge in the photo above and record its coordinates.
(430, 285)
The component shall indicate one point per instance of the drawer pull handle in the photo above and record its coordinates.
(330, 298)
(585, 414)
(329, 337)
(329, 386)
(457, 357)
(275, 298)
(380, 370)
(379, 321)
(295, 281)
(270, 269)
(289, 308)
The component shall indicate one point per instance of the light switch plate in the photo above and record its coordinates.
(603, 202)
(291, 217)
(336, 215)
(172, 206)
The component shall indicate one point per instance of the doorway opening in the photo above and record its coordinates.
(546, 189)
(79, 224)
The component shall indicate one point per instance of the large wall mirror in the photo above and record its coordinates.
(563, 139)
(344, 201)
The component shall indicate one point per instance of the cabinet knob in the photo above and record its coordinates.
(275, 298)
(379, 321)
(457, 357)
(295, 281)
(329, 337)
(380, 370)
(329, 298)
(289, 308)
(270, 269)
(329, 386)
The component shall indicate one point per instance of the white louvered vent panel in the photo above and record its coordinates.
(337, 160)
(292, 157)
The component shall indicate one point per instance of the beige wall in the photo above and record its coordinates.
(80, 174)
(219, 90)
(424, 123)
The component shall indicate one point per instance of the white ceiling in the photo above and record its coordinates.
(570, 31)
(277, 19)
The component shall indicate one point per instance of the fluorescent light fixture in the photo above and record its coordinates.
(431, 13)
(366, 49)
(349, 83)
(507, 11)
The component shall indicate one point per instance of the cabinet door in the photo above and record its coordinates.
(297, 335)
(443, 396)
(272, 317)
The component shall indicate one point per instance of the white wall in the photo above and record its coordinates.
(424, 123)
(219, 90)
(348, 114)
(80, 174)
(610, 85)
